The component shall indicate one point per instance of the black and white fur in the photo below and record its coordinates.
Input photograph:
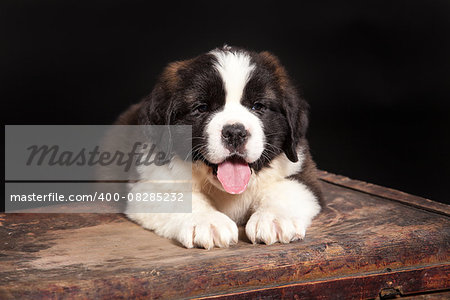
(233, 86)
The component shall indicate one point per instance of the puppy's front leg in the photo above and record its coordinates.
(283, 213)
(205, 227)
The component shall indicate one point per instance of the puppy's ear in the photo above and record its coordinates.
(160, 106)
(294, 108)
(156, 107)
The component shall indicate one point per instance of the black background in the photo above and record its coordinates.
(376, 73)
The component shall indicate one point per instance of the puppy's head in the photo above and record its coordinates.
(242, 107)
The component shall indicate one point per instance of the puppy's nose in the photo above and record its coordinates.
(234, 136)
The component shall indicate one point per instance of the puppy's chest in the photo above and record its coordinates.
(237, 207)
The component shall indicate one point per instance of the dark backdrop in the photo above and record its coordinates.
(376, 73)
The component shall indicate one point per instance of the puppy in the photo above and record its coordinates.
(251, 163)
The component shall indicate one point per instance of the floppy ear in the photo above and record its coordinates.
(295, 110)
(159, 106)
(156, 108)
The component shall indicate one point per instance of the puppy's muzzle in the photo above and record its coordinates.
(234, 137)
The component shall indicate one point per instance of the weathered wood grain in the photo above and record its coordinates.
(359, 245)
(385, 192)
(390, 284)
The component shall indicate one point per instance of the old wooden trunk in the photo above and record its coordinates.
(368, 242)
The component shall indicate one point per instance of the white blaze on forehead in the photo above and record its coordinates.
(235, 68)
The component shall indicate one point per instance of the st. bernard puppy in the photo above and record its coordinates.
(251, 163)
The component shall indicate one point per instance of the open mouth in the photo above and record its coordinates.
(233, 173)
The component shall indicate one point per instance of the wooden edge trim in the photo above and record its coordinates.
(385, 192)
(404, 282)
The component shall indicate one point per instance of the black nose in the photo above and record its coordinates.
(234, 136)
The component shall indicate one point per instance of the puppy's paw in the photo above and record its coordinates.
(269, 228)
(209, 230)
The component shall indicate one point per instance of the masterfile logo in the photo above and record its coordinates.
(92, 168)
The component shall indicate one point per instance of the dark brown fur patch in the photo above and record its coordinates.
(170, 74)
(277, 69)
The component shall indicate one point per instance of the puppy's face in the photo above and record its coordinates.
(242, 107)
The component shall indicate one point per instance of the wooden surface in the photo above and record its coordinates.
(361, 245)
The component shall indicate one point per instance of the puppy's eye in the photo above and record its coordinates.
(201, 108)
(258, 106)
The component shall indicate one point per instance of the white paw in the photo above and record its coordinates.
(208, 230)
(269, 228)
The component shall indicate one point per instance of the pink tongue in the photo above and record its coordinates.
(234, 176)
